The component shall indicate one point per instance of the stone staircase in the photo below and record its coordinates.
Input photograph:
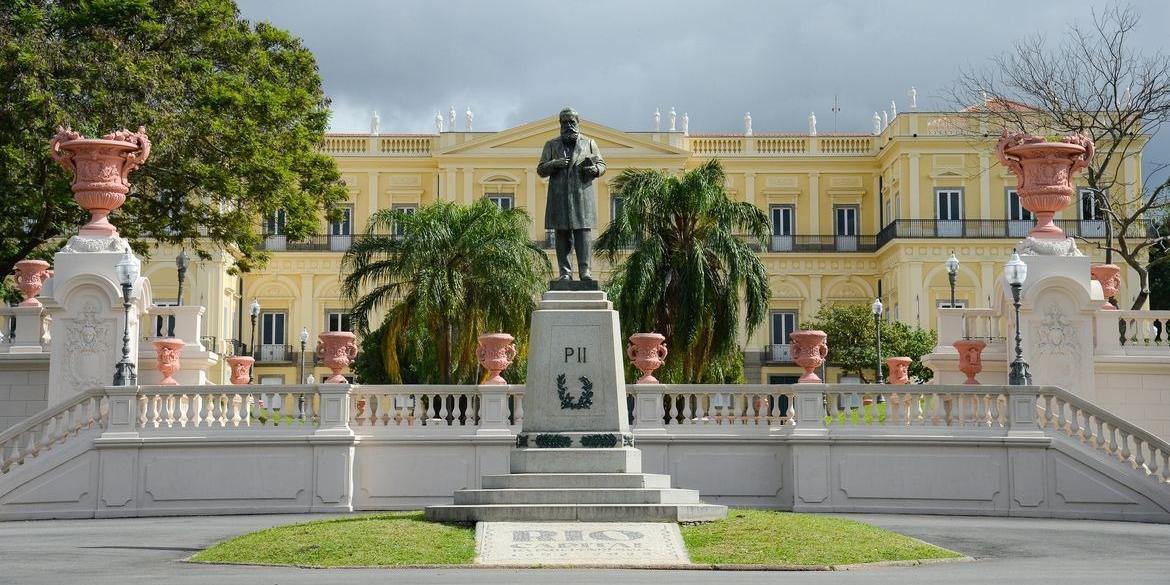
(577, 484)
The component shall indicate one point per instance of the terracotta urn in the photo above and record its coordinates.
(30, 277)
(648, 352)
(495, 353)
(808, 351)
(1044, 172)
(100, 168)
(241, 368)
(167, 350)
(1109, 275)
(899, 370)
(970, 358)
(336, 349)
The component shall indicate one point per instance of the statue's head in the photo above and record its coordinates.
(570, 123)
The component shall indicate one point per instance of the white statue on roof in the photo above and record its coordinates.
(657, 120)
(812, 123)
(673, 118)
(747, 124)
(375, 123)
(469, 118)
(686, 129)
(913, 95)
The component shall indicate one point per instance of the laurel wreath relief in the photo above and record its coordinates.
(584, 401)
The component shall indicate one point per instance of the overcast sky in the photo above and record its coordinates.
(616, 61)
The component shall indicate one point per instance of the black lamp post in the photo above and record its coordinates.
(181, 263)
(254, 311)
(128, 270)
(876, 307)
(1015, 272)
(952, 274)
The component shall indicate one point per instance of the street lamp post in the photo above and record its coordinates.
(304, 340)
(181, 263)
(952, 274)
(876, 307)
(254, 312)
(1015, 272)
(128, 270)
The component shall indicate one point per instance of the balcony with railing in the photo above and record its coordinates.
(778, 353)
(982, 229)
(782, 145)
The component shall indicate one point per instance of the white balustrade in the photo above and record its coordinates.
(42, 432)
(431, 408)
(702, 407)
(1144, 329)
(255, 407)
(915, 405)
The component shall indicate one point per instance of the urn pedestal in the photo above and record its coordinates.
(1109, 275)
(30, 278)
(970, 358)
(336, 349)
(100, 168)
(168, 350)
(241, 368)
(809, 351)
(648, 352)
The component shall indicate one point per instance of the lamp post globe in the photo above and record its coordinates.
(952, 274)
(1015, 272)
(877, 308)
(128, 270)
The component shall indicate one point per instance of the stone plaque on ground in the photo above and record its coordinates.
(579, 543)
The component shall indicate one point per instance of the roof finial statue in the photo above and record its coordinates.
(375, 123)
(812, 123)
(686, 124)
(468, 117)
(877, 124)
(657, 120)
(747, 124)
(438, 123)
(1126, 98)
(885, 119)
(893, 109)
(451, 118)
(673, 117)
(913, 95)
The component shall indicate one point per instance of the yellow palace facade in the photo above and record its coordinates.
(854, 217)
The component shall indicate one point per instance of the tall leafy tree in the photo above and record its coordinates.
(454, 273)
(852, 341)
(680, 267)
(235, 111)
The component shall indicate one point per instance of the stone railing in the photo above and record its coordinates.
(698, 408)
(909, 406)
(1144, 329)
(436, 408)
(52, 428)
(395, 145)
(214, 407)
(24, 329)
(783, 146)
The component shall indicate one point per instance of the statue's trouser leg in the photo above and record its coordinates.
(564, 244)
(584, 249)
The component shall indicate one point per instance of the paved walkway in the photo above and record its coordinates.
(145, 550)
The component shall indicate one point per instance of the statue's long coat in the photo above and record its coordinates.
(572, 197)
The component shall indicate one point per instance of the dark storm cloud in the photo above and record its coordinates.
(618, 60)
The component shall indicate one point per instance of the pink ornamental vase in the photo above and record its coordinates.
(809, 351)
(241, 368)
(970, 358)
(167, 351)
(336, 349)
(100, 168)
(1044, 172)
(899, 370)
(30, 277)
(495, 353)
(1109, 275)
(648, 352)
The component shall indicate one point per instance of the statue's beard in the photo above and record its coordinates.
(569, 136)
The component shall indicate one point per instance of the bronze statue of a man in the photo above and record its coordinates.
(571, 162)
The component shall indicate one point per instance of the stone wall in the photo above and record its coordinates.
(24, 381)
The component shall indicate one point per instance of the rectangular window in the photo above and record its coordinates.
(503, 201)
(946, 304)
(616, 204)
(272, 328)
(897, 206)
(344, 226)
(408, 210)
(337, 320)
(783, 226)
(783, 325)
(949, 212)
(274, 224)
(845, 228)
(1019, 219)
(164, 325)
(1093, 214)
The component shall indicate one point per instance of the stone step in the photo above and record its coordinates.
(575, 480)
(577, 460)
(577, 512)
(576, 496)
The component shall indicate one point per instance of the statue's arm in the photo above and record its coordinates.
(600, 162)
(544, 168)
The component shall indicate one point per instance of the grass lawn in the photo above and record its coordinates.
(762, 537)
(746, 537)
(382, 540)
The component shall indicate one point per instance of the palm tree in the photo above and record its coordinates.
(686, 265)
(453, 273)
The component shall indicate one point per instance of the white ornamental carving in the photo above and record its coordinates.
(1048, 247)
(86, 245)
(1057, 335)
(88, 340)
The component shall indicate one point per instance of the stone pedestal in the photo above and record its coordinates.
(84, 300)
(195, 359)
(575, 458)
